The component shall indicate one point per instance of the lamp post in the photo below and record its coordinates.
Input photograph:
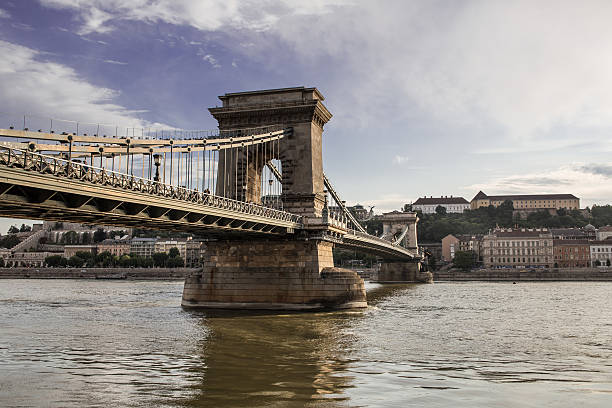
(156, 161)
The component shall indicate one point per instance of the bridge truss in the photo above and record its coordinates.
(175, 180)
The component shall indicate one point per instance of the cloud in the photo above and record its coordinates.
(97, 16)
(31, 85)
(597, 169)
(590, 182)
(209, 58)
(4, 14)
(110, 61)
(522, 67)
(397, 159)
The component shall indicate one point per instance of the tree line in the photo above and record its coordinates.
(171, 259)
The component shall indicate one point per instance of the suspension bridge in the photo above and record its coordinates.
(255, 188)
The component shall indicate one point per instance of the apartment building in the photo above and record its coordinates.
(572, 253)
(518, 248)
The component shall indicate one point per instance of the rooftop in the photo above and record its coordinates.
(520, 232)
(482, 196)
(440, 200)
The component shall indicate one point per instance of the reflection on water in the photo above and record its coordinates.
(272, 360)
(96, 343)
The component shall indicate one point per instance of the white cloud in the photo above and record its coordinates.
(592, 183)
(209, 58)
(4, 14)
(526, 67)
(397, 159)
(97, 15)
(110, 61)
(31, 85)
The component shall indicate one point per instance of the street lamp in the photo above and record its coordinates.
(156, 161)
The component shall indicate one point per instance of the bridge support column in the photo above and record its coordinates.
(401, 272)
(282, 275)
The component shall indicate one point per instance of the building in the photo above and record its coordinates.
(603, 233)
(572, 253)
(189, 250)
(528, 201)
(601, 253)
(450, 244)
(144, 247)
(470, 243)
(71, 250)
(573, 233)
(518, 248)
(359, 211)
(27, 259)
(117, 247)
(451, 204)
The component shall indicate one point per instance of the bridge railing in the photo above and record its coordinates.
(54, 166)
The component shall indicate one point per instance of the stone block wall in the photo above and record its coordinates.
(403, 272)
(273, 275)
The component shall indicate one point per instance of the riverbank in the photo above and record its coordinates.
(96, 273)
(526, 275)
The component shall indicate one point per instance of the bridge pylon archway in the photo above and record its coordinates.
(300, 109)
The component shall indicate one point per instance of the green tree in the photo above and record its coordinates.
(99, 235)
(55, 260)
(464, 260)
(175, 262)
(86, 238)
(174, 252)
(440, 210)
(105, 259)
(25, 228)
(13, 229)
(76, 262)
(87, 257)
(9, 241)
(160, 259)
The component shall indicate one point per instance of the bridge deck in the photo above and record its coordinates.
(43, 187)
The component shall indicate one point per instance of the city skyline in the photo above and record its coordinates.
(428, 98)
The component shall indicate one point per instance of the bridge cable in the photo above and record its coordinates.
(399, 239)
(340, 204)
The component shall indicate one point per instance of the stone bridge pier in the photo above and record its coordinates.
(294, 271)
(396, 224)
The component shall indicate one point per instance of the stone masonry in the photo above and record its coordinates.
(273, 274)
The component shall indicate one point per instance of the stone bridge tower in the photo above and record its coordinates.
(293, 271)
(300, 154)
(394, 225)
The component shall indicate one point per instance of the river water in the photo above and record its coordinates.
(76, 343)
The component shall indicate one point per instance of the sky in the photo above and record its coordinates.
(429, 97)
